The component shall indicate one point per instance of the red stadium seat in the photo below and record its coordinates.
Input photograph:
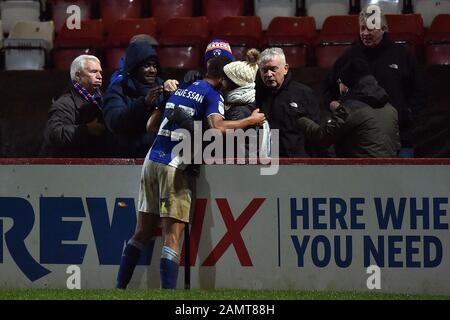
(437, 41)
(163, 10)
(322, 9)
(267, 10)
(113, 10)
(430, 9)
(437, 54)
(89, 35)
(215, 10)
(407, 29)
(120, 35)
(71, 43)
(59, 11)
(440, 26)
(295, 35)
(113, 56)
(337, 34)
(242, 32)
(183, 42)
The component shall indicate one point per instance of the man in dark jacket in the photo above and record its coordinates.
(275, 96)
(75, 125)
(364, 124)
(130, 102)
(117, 76)
(393, 66)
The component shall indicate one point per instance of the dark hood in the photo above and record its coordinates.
(368, 91)
(137, 52)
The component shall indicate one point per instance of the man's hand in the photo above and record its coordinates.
(334, 105)
(152, 95)
(341, 112)
(171, 85)
(297, 111)
(257, 118)
(95, 128)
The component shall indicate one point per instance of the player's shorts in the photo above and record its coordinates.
(165, 190)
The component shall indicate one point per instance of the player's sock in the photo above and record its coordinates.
(169, 268)
(130, 258)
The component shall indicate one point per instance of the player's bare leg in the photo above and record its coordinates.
(146, 227)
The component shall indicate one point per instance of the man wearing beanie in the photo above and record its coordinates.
(215, 49)
(394, 67)
(130, 102)
(240, 103)
(364, 124)
(353, 71)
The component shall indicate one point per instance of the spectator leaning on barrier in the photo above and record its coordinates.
(277, 92)
(240, 101)
(75, 122)
(394, 67)
(130, 102)
(165, 187)
(363, 123)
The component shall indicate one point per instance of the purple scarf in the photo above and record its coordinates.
(95, 98)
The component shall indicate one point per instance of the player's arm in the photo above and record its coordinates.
(218, 122)
(154, 121)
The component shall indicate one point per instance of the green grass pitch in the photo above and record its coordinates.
(155, 294)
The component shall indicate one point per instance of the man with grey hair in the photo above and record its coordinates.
(75, 124)
(275, 94)
(392, 65)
